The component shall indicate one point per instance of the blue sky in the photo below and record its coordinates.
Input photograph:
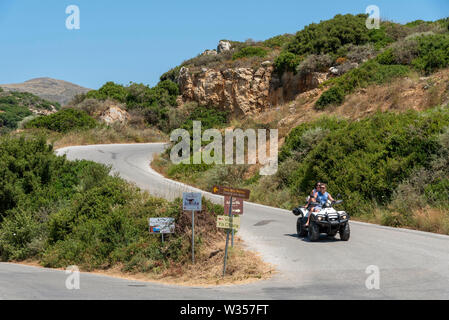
(138, 40)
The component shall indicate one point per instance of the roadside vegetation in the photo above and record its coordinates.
(17, 106)
(63, 121)
(62, 213)
(389, 168)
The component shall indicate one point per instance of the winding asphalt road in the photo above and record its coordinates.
(411, 264)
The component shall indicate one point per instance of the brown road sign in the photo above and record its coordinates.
(231, 192)
(237, 205)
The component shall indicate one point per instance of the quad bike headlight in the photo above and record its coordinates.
(320, 218)
(343, 216)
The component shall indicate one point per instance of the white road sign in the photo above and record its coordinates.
(162, 225)
(192, 201)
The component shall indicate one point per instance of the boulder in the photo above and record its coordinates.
(224, 46)
(113, 115)
(334, 71)
(209, 53)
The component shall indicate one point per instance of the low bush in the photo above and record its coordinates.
(64, 121)
(154, 103)
(16, 106)
(433, 53)
(250, 52)
(11, 115)
(286, 61)
(371, 72)
(367, 160)
(75, 213)
(358, 54)
(333, 96)
(315, 63)
(278, 41)
(109, 90)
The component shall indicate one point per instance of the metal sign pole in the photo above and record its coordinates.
(227, 241)
(232, 225)
(193, 236)
(162, 238)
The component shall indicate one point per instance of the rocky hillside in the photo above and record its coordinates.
(245, 91)
(49, 89)
(250, 77)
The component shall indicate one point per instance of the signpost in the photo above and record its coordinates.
(192, 201)
(231, 192)
(162, 226)
(224, 222)
(237, 205)
(240, 195)
(237, 209)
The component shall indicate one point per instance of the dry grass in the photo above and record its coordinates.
(427, 219)
(412, 93)
(107, 135)
(160, 164)
(243, 267)
(432, 220)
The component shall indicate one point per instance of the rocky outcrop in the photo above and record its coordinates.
(287, 87)
(244, 91)
(43, 112)
(209, 53)
(241, 90)
(224, 46)
(114, 115)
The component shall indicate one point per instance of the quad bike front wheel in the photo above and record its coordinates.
(300, 228)
(314, 232)
(345, 232)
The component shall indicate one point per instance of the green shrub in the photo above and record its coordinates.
(437, 191)
(15, 107)
(278, 41)
(171, 75)
(154, 103)
(110, 90)
(64, 121)
(286, 61)
(433, 53)
(328, 36)
(250, 52)
(366, 160)
(74, 213)
(12, 115)
(387, 57)
(333, 96)
(17, 233)
(210, 117)
(370, 72)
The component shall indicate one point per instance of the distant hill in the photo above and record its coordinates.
(48, 89)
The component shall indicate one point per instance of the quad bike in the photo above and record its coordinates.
(327, 220)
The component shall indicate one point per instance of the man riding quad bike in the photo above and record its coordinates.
(325, 220)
